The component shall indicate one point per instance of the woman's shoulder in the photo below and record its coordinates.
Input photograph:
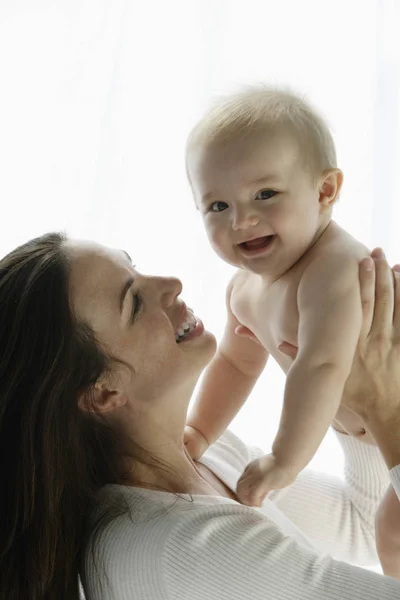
(140, 523)
(137, 543)
(131, 511)
(232, 451)
(129, 530)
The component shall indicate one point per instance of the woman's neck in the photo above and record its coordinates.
(173, 470)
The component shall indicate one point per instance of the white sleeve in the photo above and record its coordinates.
(238, 553)
(338, 515)
(395, 479)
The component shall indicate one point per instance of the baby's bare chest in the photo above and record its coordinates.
(269, 311)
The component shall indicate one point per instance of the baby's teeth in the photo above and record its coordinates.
(185, 326)
(179, 331)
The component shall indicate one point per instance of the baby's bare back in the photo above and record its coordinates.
(270, 310)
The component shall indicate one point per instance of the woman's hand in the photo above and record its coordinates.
(373, 387)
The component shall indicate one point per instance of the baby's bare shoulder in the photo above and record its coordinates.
(242, 293)
(234, 287)
(337, 249)
(331, 272)
(239, 281)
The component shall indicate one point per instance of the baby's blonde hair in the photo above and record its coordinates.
(268, 108)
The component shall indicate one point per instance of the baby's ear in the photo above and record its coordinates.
(329, 188)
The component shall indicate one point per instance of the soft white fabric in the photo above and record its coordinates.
(213, 548)
(395, 477)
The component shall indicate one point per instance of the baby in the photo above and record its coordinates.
(262, 167)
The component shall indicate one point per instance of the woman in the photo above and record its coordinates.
(98, 364)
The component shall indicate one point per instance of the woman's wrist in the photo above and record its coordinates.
(349, 423)
(337, 427)
(385, 429)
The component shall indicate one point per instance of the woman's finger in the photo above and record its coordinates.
(378, 253)
(384, 299)
(367, 292)
(396, 312)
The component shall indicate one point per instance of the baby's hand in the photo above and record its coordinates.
(260, 477)
(195, 442)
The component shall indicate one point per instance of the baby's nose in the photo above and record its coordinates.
(244, 220)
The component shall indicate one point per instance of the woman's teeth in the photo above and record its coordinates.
(185, 328)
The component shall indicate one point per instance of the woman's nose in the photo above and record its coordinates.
(168, 289)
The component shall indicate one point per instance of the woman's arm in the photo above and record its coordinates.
(373, 388)
(338, 513)
(377, 400)
(388, 533)
(239, 553)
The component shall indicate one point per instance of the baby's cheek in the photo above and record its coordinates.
(218, 238)
(278, 218)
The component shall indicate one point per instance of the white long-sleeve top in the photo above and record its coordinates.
(214, 548)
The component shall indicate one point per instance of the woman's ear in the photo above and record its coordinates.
(329, 188)
(103, 397)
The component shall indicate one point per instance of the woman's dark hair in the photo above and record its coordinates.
(54, 457)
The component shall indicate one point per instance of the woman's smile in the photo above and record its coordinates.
(189, 326)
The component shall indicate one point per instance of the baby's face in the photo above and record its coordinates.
(260, 207)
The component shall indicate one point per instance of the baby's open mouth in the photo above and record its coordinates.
(258, 243)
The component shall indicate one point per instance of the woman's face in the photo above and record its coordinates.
(139, 320)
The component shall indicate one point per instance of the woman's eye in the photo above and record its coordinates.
(218, 206)
(265, 194)
(136, 306)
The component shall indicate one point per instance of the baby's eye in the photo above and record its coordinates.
(218, 206)
(265, 194)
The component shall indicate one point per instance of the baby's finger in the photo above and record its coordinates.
(246, 488)
(382, 321)
(258, 494)
(288, 349)
(367, 292)
(243, 493)
(243, 331)
(250, 495)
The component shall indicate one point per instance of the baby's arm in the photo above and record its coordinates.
(329, 325)
(388, 533)
(226, 384)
